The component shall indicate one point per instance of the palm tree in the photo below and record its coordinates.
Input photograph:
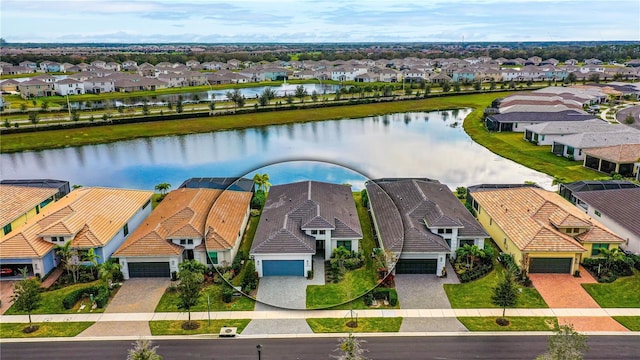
(64, 252)
(93, 258)
(163, 187)
(107, 270)
(611, 256)
(262, 181)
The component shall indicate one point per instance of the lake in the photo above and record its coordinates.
(416, 144)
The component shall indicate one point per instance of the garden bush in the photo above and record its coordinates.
(393, 297)
(100, 292)
(227, 294)
(368, 298)
(249, 277)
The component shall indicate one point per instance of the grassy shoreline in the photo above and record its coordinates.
(53, 139)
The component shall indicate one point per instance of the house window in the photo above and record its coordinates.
(183, 241)
(440, 231)
(576, 230)
(37, 209)
(212, 259)
(490, 221)
(321, 232)
(595, 248)
(449, 231)
(7, 229)
(597, 213)
(125, 230)
(190, 241)
(146, 204)
(54, 239)
(345, 244)
(466, 242)
(314, 232)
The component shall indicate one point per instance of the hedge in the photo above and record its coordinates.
(101, 296)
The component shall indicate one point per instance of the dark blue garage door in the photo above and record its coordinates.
(283, 268)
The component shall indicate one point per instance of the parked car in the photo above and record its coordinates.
(6, 271)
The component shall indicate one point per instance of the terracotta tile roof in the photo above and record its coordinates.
(92, 215)
(211, 214)
(625, 153)
(17, 200)
(529, 216)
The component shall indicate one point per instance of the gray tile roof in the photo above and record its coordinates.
(590, 140)
(572, 127)
(568, 115)
(401, 207)
(621, 205)
(290, 208)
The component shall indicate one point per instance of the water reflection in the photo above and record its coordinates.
(395, 145)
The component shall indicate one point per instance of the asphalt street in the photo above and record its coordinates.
(437, 347)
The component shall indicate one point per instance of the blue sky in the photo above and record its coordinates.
(317, 21)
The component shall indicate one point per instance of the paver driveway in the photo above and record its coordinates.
(288, 292)
(138, 296)
(566, 291)
(6, 292)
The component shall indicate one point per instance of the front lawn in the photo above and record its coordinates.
(356, 282)
(169, 301)
(48, 329)
(517, 323)
(477, 294)
(622, 293)
(52, 302)
(359, 304)
(339, 325)
(630, 322)
(174, 327)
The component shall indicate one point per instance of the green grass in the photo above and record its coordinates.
(518, 323)
(630, 322)
(52, 302)
(339, 325)
(622, 293)
(513, 146)
(356, 282)
(169, 301)
(477, 294)
(174, 327)
(103, 134)
(48, 329)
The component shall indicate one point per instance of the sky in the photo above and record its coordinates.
(299, 21)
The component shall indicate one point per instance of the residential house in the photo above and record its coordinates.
(113, 66)
(542, 231)
(193, 64)
(547, 132)
(89, 217)
(129, 65)
(50, 66)
(618, 209)
(346, 73)
(388, 75)
(99, 64)
(618, 159)
(35, 88)
(422, 221)
(519, 121)
(8, 86)
(573, 146)
(300, 220)
(202, 224)
(98, 85)
(15, 70)
(367, 78)
(464, 75)
(566, 190)
(21, 203)
(68, 86)
(29, 64)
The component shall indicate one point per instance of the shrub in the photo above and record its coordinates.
(100, 292)
(227, 294)
(393, 297)
(249, 277)
(257, 202)
(368, 298)
(255, 212)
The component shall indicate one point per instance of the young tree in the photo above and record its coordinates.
(456, 86)
(44, 106)
(350, 349)
(27, 297)
(145, 108)
(565, 344)
(179, 105)
(314, 96)
(189, 292)
(301, 92)
(33, 117)
(75, 115)
(142, 350)
(262, 181)
(505, 294)
(446, 86)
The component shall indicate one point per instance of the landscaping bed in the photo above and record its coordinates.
(472, 263)
(48, 329)
(614, 264)
(169, 301)
(339, 325)
(174, 327)
(516, 323)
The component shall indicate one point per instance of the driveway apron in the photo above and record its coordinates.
(6, 292)
(138, 296)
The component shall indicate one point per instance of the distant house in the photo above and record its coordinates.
(300, 220)
(89, 218)
(422, 221)
(10, 85)
(566, 190)
(202, 224)
(219, 183)
(21, 203)
(29, 64)
(542, 231)
(573, 146)
(519, 121)
(35, 88)
(547, 132)
(620, 159)
(618, 209)
(69, 87)
(97, 85)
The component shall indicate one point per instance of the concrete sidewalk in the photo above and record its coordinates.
(304, 314)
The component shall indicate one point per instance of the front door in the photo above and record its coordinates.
(187, 255)
(319, 245)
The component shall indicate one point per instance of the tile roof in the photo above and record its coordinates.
(291, 207)
(624, 153)
(211, 214)
(92, 215)
(402, 206)
(17, 200)
(536, 115)
(592, 140)
(529, 217)
(572, 127)
(621, 205)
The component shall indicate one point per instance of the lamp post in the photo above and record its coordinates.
(259, 348)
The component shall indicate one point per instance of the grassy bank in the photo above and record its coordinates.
(512, 146)
(103, 134)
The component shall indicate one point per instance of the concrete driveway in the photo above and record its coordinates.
(288, 292)
(424, 291)
(280, 326)
(6, 292)
(138, 296)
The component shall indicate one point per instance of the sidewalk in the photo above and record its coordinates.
(304, 314)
